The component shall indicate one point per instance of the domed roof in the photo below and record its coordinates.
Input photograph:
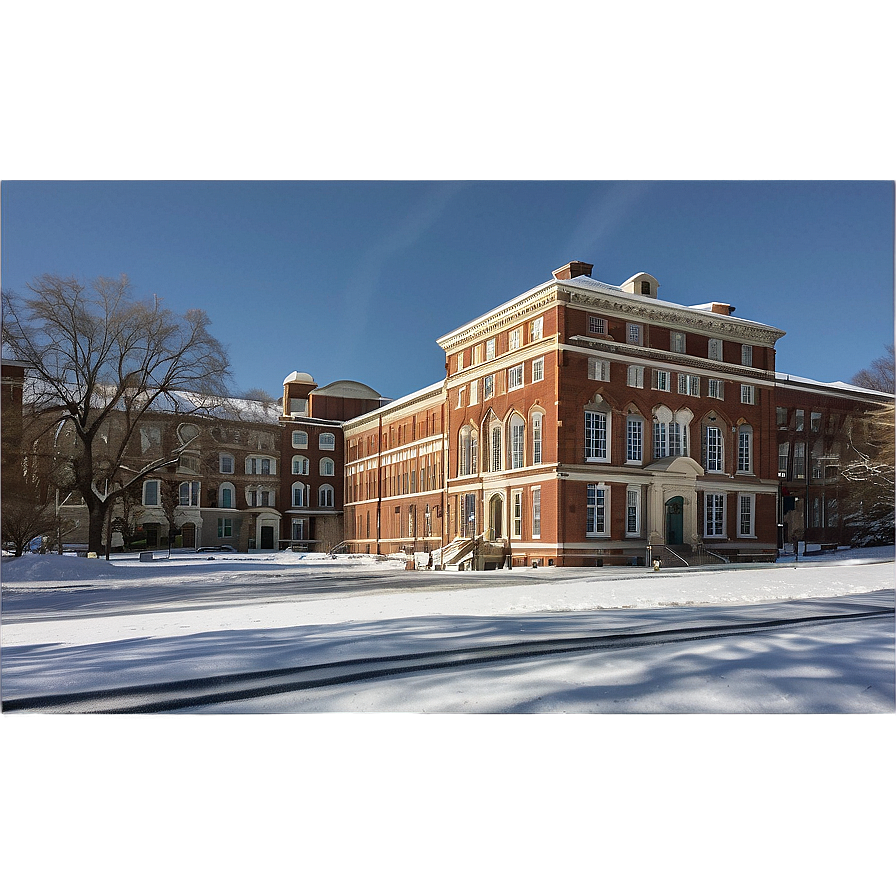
(296, 377)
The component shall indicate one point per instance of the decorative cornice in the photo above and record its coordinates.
(685, 318)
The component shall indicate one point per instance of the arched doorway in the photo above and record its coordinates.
(496, 516)
(675, 520)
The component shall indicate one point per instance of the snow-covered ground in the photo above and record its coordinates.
(72, 624)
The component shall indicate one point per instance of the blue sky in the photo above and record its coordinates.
(338, 185)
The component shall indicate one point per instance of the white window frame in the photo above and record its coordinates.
(714, 523)
(783, 458)
(537, 437)
(517, 442)
(474, 392)
(597, 325)
(326, 496)
(689, 384)
(746, 512)
(677, 342)
(327, 466)
(495, 443)
(224, 461)
(633, 334)
(514, 339)
(598, 369)
(597, 510)
(226, 487)
(537, 370)
(488, 387)
(254, 465)
(516, 513)
(192, 494)
(536, 511)
(634, 439)
(157, 483)
(745, 449)
(301, 489)
(715, 389)
(635, 376)
(714, 458)
(597, 437)
(632, 512)
(323, 441)
(300, 465)
(299, 438)
(714, 350)
(747, 394)
(490, 350)
(662, 380)
(515, 377)
(536, 329)
(746, 355)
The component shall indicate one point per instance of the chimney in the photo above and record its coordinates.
(573, 269)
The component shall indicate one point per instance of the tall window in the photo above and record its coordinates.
(598, 370)
(713, 456)
(299, 465)
(299, 494)
(595, 436)
(325, 496)
(633, 334)
(515, 377)
(495, 435)
(596, 511)
(635, 377)
(715, 515)
(225, 527)
(715, 389)
(783, 457)
(536, 438)
(688, 384)
(261, 466)
(225, 495)
(746, 355)
(536, 329)
(538, 370)
(661, 380)
(517, 442)
(745, 449)
(677, 342)
(715, 350)
(799, 416)
(634, 439)
(151, 493)
(633, 511)
(660, 440)
(745, 505)
(299, 527)
(747, 394)
(327, 467)
(678, 439)
(488, 386)
(514, 339)
(463, 452)
(225, 463)
(490, 350)
(474, 392)
(326, 441)
(536, 512)
(799, 460)
(516, 513)
(815, 422)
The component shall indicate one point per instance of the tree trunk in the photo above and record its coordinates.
(96, 524)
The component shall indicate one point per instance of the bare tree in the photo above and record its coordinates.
(25, 517)
(879, 374)
(100, 360)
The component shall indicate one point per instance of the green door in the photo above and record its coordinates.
(675, 520)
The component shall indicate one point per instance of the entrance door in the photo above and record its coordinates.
(675, 520)
(496, 516)
(188, 534)
(267, 538)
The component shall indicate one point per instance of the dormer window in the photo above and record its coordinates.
(645, 287)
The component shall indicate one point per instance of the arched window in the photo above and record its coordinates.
(745, 448)
(634, 438)
(299, 439)
(326, 441)
(670, 432)
(258, 465)
(464, 438)
(325, 496)
(713, 449)
(517, 441)
(495, 439)
(327, 467)
(188, 494)
(226, 493)
(300, 465)
(299, 494)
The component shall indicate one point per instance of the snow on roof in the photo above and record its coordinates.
(785, 378)
(398, 402)
(347, 389)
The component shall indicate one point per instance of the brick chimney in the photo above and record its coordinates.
(573, 269)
